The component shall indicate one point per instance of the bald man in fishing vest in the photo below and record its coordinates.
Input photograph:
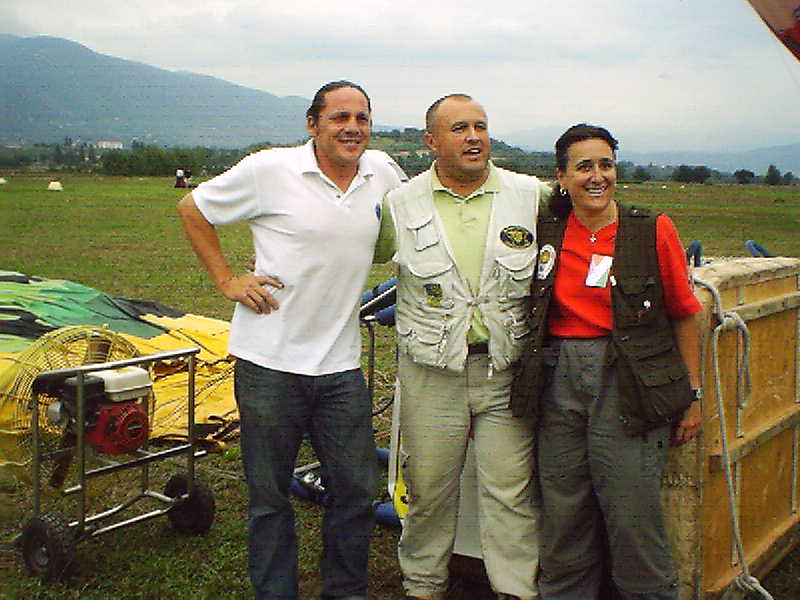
(463, 236)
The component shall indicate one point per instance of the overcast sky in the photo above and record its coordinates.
(662, 75)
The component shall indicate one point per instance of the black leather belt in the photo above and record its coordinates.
(479, 348)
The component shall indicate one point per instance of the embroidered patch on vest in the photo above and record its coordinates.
(433, 294)
(516, 236)
(547, 260)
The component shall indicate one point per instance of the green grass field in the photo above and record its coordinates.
(122, 236)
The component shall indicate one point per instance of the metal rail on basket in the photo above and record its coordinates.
(367, 315)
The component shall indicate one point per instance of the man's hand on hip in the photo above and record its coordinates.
(250, 290)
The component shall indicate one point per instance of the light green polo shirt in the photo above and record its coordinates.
(466, 221)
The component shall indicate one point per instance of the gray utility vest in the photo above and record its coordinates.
(653, 380)
(435, 304)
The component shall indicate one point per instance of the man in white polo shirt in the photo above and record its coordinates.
(314, 212)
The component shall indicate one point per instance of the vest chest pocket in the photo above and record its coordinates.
(433, 284)
(423, 232)
(514, 273)
(636, 299)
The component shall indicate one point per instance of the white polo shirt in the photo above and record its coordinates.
(316, 239)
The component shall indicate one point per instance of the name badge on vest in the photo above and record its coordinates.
(547, 260)
(599, 270)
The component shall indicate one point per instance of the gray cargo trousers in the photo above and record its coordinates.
(592, 473)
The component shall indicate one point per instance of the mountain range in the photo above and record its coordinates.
(785, 158)
(52, 88)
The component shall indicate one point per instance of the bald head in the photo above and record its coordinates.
(458, 135)
(430, 114)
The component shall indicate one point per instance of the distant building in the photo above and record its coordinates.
(106, 145)
(418, 152)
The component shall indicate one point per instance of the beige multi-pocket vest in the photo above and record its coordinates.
(435, 304)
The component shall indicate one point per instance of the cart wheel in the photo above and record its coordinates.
(47, 546)
(196, 513)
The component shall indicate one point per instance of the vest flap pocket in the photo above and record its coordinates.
(421, 343)
(632, 286)
(647, 346)
(420, 221)
(662, 376)
(519, 264)
(422, 332)
(429, 336)
(424, 231)
(425, 270)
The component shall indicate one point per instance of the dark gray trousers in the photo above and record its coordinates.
(592, 473)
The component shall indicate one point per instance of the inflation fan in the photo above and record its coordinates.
(75, 416)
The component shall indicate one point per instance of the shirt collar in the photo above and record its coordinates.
(308, 162)
(490, 186)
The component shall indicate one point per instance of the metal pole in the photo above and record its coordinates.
(81, 450)
(371, 363)
(37, 489)
(190, 424)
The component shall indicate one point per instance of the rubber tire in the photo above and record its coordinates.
(48, 547)
(195, 514)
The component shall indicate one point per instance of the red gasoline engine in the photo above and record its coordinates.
(116, 417)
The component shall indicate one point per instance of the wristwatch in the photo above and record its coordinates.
(697, 393)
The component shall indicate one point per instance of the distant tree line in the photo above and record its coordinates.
(413, 163)
(406, 146)
(48, 156)
(156, 161)
(771, 177)
(687, 174)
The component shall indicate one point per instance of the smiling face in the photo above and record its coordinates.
(590, 177)
(459, 137)
(342, 130)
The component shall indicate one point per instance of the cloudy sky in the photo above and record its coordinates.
(662, 75)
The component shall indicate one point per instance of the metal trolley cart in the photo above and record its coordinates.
(104, 410)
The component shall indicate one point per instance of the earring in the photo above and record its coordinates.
(564, 193)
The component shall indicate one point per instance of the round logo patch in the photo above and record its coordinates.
(547, 260)
(516, 236)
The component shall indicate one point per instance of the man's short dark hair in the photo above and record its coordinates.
(430, 114)
(318, 103)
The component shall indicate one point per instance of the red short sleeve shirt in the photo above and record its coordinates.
(581, 311)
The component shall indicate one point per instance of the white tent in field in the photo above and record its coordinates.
(2, 181)
(55, 186)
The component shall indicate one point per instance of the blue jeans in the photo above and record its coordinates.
(276, 409)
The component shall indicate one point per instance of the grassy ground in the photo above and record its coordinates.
(122, 236)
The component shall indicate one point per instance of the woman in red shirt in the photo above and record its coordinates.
(601, 481)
